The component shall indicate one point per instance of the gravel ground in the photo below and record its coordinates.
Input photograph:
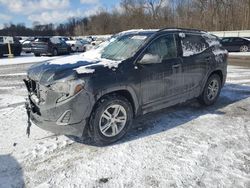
(187, 145)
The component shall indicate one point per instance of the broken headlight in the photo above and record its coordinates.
(67, 89)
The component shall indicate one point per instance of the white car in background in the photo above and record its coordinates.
(77, 45)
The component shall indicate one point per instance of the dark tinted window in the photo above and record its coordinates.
(164, 47)
(226, 40)
(42, 40)
(1, 39)
(238, 40)
(193, 44)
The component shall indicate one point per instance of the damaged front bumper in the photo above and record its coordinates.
(67, 118)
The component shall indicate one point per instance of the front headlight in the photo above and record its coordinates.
(67, 88)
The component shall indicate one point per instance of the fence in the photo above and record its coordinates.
(242, 33)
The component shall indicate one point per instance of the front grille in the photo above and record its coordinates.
(34, 88)
(31, 85)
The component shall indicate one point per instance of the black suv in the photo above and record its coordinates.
(236, 44)
(49, 46)
(134, 73)
(16, 47)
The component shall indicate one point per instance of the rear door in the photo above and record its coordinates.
(227, 43)
(196, 62)
(160, 79)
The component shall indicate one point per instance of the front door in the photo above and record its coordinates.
(160, 71)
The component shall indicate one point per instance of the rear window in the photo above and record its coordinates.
(193, 44)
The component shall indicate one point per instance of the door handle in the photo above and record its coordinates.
(176, 66)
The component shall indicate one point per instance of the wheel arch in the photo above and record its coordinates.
(219, 73)
(125, 92)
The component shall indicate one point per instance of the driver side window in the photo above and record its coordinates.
(164, 47)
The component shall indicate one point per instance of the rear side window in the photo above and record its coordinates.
(193, 44)
(42, 40)
(164, 47)
(1, 39)
(226, 40)
(238, 40)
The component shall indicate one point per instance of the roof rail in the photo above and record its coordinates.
(179, 28)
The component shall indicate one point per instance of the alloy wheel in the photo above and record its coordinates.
(113, 120)
(244, 48)
(213, 89)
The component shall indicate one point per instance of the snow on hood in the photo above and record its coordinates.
(91, 57)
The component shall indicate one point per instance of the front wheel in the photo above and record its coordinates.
(211, 91)
(110, 120)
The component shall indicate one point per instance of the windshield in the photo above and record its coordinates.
(123, 47)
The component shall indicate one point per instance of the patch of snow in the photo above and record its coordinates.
(182, 35)
(239, 53)
(69, 60)
(190, 49)
(211, 40)
(219, 54)
(24, 59)
(131, 31)
(91, 56)
(84, 69)
(14, 74)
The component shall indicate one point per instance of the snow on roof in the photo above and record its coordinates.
(131, 31)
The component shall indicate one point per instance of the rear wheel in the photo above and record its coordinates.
(244, 48)
(37, 55)
(110, 120)
(211, 91)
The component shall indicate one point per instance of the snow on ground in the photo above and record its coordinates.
(26, 58)
(239, 54)
(184, 146)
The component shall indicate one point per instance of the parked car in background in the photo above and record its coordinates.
(49, 46)
(77, 45)
(236, 44)
(16, 47)
(26, 45)
(102, 90)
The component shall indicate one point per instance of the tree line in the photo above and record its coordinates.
(210, 15)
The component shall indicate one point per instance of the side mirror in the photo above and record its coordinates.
(149, 59)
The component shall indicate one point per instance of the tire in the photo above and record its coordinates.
(211, 90)
(37, 55)
(103, 131)
(55, 52)
(244, 48)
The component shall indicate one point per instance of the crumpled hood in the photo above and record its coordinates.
(48, 72)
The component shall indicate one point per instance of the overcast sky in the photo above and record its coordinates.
(49, 11)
